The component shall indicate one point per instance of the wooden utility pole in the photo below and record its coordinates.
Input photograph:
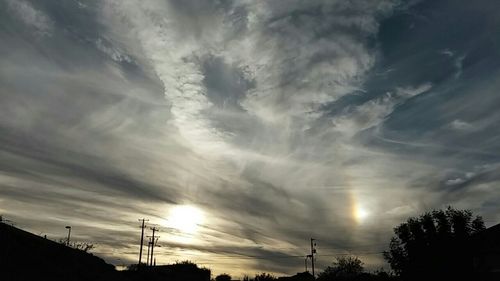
(149, 249)
(142, 241)
(313, 251)
(305, 262)
(154, 229)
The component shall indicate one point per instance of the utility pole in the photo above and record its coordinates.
(305, 262)
(313, 251)
(149, 248)
(142, 241)
(154, 229)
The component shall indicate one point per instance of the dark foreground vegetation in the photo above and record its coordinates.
(440, 245)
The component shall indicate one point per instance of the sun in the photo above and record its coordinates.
(361, 214)
(185, 218)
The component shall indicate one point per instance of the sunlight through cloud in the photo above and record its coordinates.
(185, 218)
(360, 214)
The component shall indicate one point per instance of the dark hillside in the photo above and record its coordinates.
(25, 256)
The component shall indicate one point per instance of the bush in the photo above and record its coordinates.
(223, 277)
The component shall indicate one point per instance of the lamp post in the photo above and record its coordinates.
(69, 234)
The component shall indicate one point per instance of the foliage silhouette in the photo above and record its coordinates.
(82, 246)
(223, 277)
(264, 277)
(343, 268)
(434, 245)
(179, 271)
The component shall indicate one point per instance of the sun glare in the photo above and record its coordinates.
(360, 214)
(185, 218)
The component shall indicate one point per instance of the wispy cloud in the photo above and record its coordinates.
(31, 17)
(280, 122)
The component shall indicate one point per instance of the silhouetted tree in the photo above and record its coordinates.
(223, 277)
(381, 274)
(83, 246)
(343, 268)
(434, 245)
(264, 277)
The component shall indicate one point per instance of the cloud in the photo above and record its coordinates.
(31, 17)
(245, 99)
(455, 181)
(273, 119)
(458, 66)
(487, 173)
(309, 59)
(457, 61)
(460, 125)
(335, 62)
(112, 52)
(447, 52)
(373, 112)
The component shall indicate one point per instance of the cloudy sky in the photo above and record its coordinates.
(244, 128)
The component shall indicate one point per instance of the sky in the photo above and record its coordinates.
(242, 129)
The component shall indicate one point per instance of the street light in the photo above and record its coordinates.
(69, 234)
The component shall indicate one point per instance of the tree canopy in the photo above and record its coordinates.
(223, 277)
(264, 277)
(433, 244)
(343, 268)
